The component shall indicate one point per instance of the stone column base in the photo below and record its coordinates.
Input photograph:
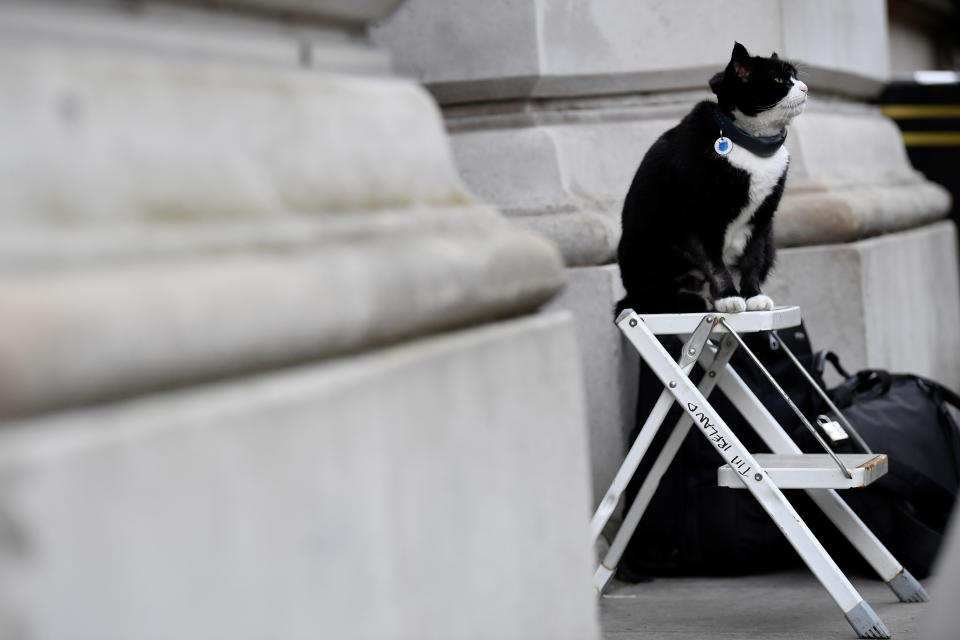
(431, 490)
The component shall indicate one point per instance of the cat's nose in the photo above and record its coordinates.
(802, 87)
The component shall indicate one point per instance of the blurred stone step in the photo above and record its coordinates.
(410, 492)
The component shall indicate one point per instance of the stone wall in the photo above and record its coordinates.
(268, 368)
(551, 106)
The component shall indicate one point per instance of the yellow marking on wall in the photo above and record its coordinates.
(909, 111)
(931, 138)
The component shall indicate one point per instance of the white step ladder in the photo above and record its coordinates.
(713, 337)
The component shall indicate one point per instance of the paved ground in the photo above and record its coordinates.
(781, 606)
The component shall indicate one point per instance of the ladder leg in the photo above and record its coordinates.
(608, 567)
(688, 358)
(629, 466)
(857, 612)
(900, 581)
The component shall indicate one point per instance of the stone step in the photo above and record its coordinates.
(434, 489)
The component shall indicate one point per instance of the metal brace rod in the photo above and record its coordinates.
(823, 394)
(783, 394)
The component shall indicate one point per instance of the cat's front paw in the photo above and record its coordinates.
(732, 304)
(759, 303)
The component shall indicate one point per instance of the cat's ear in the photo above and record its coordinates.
(739, 52)
(740, 60)
(774, 56)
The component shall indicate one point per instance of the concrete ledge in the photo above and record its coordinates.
(545, 85)
(93, 334)
(466, 51)
(610, 366)
(197, 30)
(891, 302)
(49, 246)
(438, 489)
(826, 216)
(583, 238)
(572, 160)
(168, 220)
(96, 135)
(850, 178)
(359, 11)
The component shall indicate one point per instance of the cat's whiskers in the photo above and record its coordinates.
(765, 107)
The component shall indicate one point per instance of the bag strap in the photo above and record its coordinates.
(942, 397)
(873, 382)
(946, 395)
(861, 381)
(869, 383)
(831, 357)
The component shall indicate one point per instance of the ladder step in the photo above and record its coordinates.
(809, 471)
(746, 322)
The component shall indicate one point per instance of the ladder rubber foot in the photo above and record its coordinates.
(908, 588)
(866, 622)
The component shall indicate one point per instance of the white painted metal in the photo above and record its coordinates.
(692, 350)
(823, 395)
(629, 466)
(747, 322)
(908, 588)
(604, 574)
(607, 568)
(812, 471)
(829, 501)
(712, 426)
(786, 398)
(866, 622)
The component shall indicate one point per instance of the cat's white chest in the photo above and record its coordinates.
(764, 174)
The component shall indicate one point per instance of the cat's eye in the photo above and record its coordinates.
(778, 79)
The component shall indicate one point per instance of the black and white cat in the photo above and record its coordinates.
(700, 208)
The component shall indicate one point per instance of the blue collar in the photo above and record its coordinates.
(764, 146)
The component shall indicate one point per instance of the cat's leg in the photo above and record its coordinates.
(690, 292)
(723, 291)
(754, 266)
(759, 252)
(726, 298)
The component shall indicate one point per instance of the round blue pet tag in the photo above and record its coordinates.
(723, 146)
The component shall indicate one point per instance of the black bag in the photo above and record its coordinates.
(692, 526)
(909, 418)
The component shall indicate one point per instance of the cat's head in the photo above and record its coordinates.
(758, 91)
